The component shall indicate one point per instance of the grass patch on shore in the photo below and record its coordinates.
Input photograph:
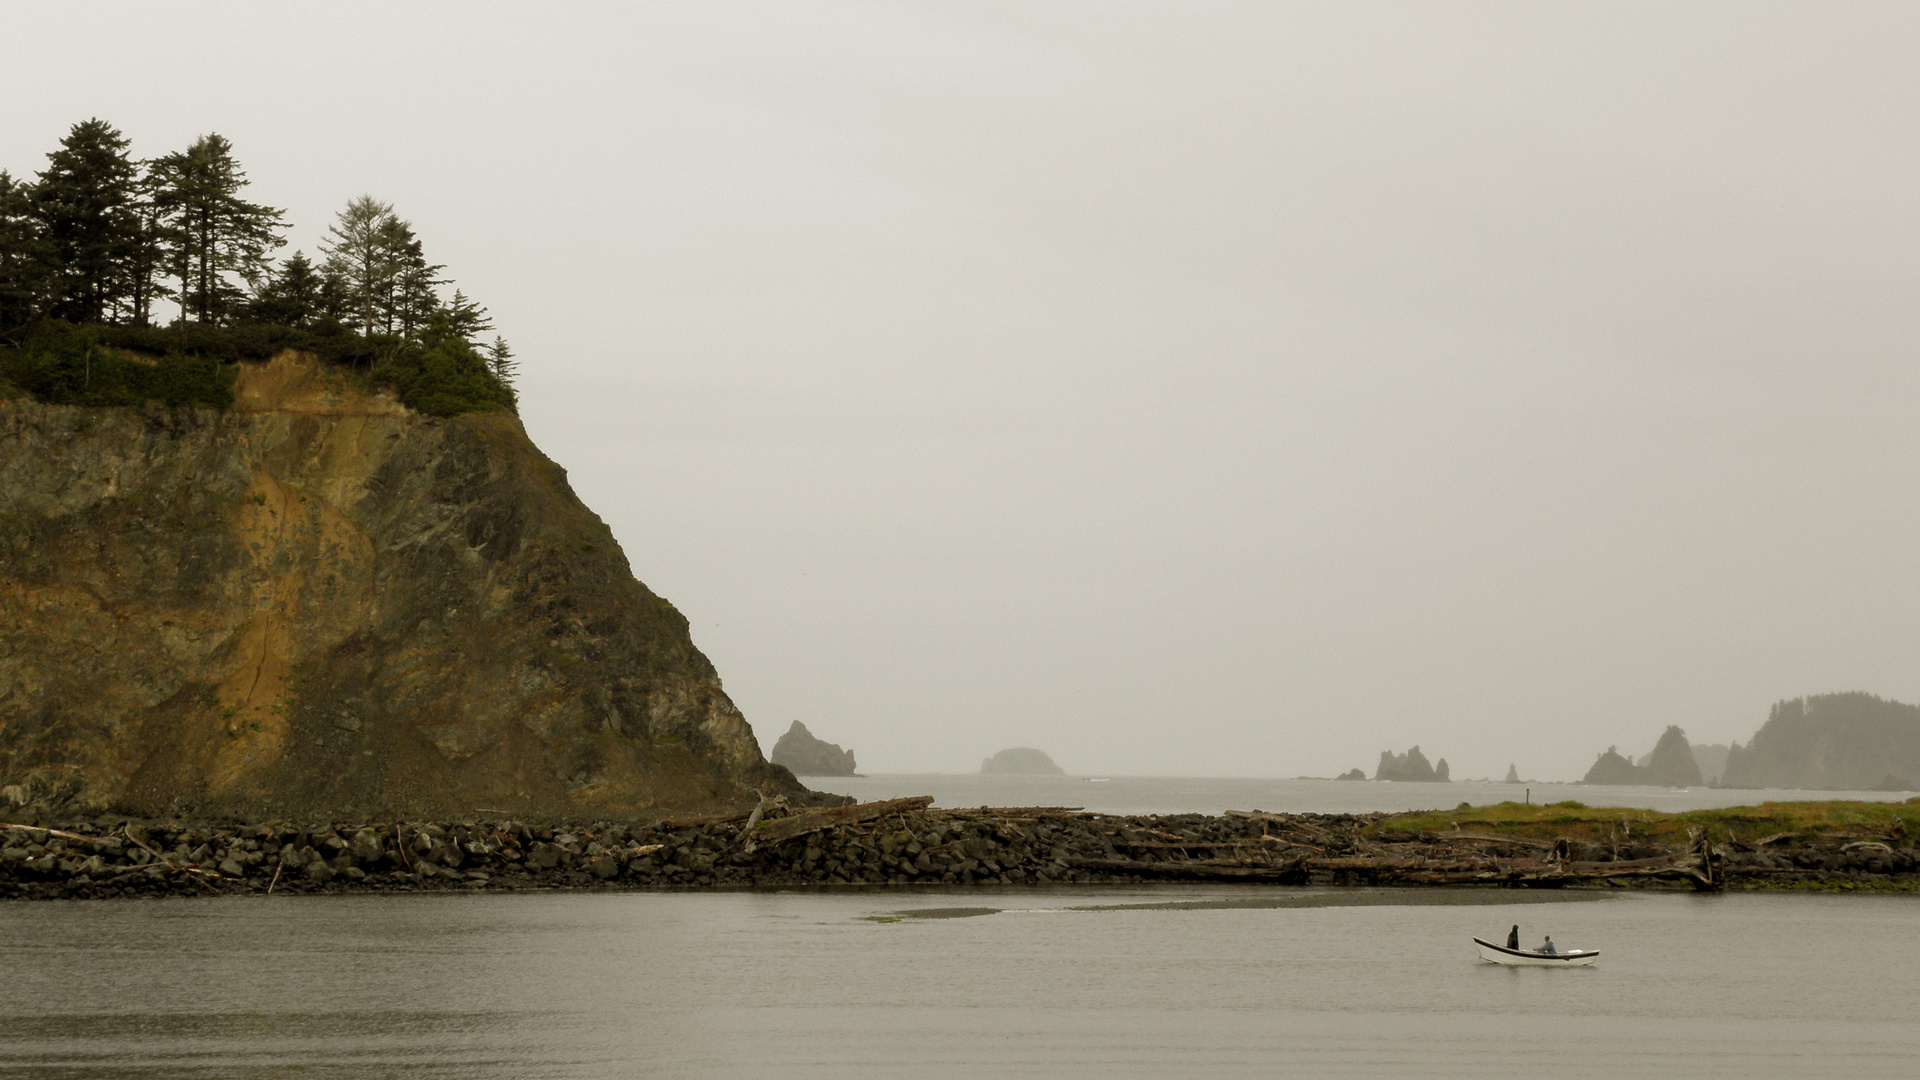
(1803, 820)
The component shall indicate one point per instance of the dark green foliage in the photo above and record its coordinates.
(211, 233)
(83, 203)
(294, 296)
(24, 256)
(466, 320)
(446, 379)
(70, 365)
(500, 359)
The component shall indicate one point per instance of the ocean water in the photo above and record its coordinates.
(1098, 983)
(1212, 795)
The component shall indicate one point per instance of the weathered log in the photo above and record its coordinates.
(1263, 844)
(1211, 869)
(786, 828)
(1019, 812)
(1661, 862)
(706, 819)
(1494, 838)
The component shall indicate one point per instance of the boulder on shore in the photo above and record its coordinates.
(806, 755)
(1022, 759)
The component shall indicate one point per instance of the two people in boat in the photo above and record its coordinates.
(1546, 948)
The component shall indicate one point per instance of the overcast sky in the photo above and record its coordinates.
(1181, 388)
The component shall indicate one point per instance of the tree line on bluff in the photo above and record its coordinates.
(93, 248)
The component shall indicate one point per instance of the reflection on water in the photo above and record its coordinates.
(1213, 794)
(1203, 981)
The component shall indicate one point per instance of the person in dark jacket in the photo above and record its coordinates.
(1513, 938)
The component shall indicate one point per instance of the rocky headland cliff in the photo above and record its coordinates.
(320, 602)
(1852, 741)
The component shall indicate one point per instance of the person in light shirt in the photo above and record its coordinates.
(1546, 947)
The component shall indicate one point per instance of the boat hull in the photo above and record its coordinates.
(1500, 954)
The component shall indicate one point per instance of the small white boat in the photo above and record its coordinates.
(1500, 954)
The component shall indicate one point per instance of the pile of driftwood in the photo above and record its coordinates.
(1344, 849)
(899, 842)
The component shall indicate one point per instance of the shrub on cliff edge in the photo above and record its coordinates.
(69, 365)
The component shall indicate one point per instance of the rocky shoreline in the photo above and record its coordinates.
(898, 842)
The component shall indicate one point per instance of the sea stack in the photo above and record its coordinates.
(1670, 765)
(806, 755)
(1410, 767)
(1022, 759)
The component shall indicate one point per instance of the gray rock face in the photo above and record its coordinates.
(1022, 759)
(319, 601)
(806, 755)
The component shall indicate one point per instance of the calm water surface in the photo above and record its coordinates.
(808, 985)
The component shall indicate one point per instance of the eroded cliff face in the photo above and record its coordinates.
(319, 602)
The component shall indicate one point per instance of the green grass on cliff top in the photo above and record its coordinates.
(1806, 820)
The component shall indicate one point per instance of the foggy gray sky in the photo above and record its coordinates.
(1233, 389)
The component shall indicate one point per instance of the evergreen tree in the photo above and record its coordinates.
(466, 320)
(294, 296)
(413, 296)
(144, 267)
(358, 256)
(335, 301)
(500, 361)
(24, 256)
(82, 202)
(215, 233)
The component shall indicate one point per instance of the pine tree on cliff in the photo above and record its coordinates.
(83, 204)
(295, 295)
(147, 254)
(23, 256)
(501, 362)
(412, 298)
(466, 320)
(214, 233)
(358, 255)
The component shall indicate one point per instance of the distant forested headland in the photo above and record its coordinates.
(125, 280)
(1836, 742)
